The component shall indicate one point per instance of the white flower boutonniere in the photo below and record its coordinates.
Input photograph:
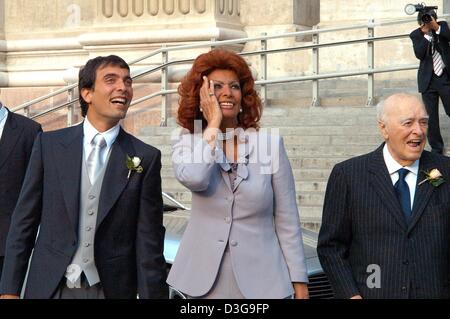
(434, 177)
(133, 164)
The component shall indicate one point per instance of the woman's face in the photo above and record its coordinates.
(228, 92)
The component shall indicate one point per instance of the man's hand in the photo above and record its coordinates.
(356, 297)
(433, 24)
(425, 28)
(300, 290)
(9, 297)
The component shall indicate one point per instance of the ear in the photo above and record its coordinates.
(86, 94)
(383, 129)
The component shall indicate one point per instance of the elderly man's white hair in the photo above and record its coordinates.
(381, 106)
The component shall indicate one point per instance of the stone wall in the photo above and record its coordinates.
(43, 43)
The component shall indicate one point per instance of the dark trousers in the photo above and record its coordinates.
(84, 292)
(1, 265)
(439, 87)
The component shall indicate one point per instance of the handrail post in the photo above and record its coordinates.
(164, 84)
(26, 111)
(263, 92)
(315, 62)
(70, 107)
(370, 63)
(212, 45)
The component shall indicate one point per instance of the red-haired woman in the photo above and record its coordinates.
(244, 238)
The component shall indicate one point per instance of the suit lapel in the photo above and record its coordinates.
(68, 156)
(10, 136)
(244, 151)
(382, 185)
(115, 179)
(424, 191)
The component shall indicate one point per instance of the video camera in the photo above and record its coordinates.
(424, 11)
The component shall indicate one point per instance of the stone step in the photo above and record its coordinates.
(319, 120)
(312, 214)
(302, 175)
(326, 150)
(289, 140)
(310, 199)
(316, 162)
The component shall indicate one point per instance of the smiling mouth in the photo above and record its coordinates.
(414, 143)
(226, 105)
(119, 101)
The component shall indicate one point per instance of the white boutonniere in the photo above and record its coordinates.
(133, 164)
(434, 177)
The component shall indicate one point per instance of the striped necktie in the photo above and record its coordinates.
(438, 64)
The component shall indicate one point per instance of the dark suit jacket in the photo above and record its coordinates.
(423, 51)
(363, 225)
(129, 237)
(15, 150)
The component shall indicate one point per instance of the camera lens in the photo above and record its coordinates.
(426, 18)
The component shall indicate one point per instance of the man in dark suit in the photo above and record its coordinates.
(385, 224)
(431, 47)
(91, 179)
(17, 134)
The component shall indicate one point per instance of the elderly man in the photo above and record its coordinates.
(386, 218)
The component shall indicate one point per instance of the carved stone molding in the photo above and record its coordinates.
(147, 8)
(200, 6)
(138, 7)
(228, 7)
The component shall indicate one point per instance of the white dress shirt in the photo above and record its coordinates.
(393, 167)
(429, 37)
(89, 133)
(3, 117)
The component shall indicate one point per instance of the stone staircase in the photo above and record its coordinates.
(316, 138)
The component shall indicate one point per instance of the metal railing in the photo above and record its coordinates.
(263, 53)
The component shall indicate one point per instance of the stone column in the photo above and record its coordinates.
(275, 17)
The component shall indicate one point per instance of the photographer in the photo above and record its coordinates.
(431, 47)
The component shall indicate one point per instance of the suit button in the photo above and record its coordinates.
(89, 228)
(85, 260)
(86, 244)
(404, 289)
(91, 197)
(227, 220)
(90, 212)
(233, 243)
(406, 262)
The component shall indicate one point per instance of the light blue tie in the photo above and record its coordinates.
(94, 161)
(3, 113)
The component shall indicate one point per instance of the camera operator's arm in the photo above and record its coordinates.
(420, 43)
(444, 31)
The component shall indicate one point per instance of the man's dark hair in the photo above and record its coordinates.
(87, 74)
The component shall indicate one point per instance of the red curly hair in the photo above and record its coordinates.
(204, 64)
